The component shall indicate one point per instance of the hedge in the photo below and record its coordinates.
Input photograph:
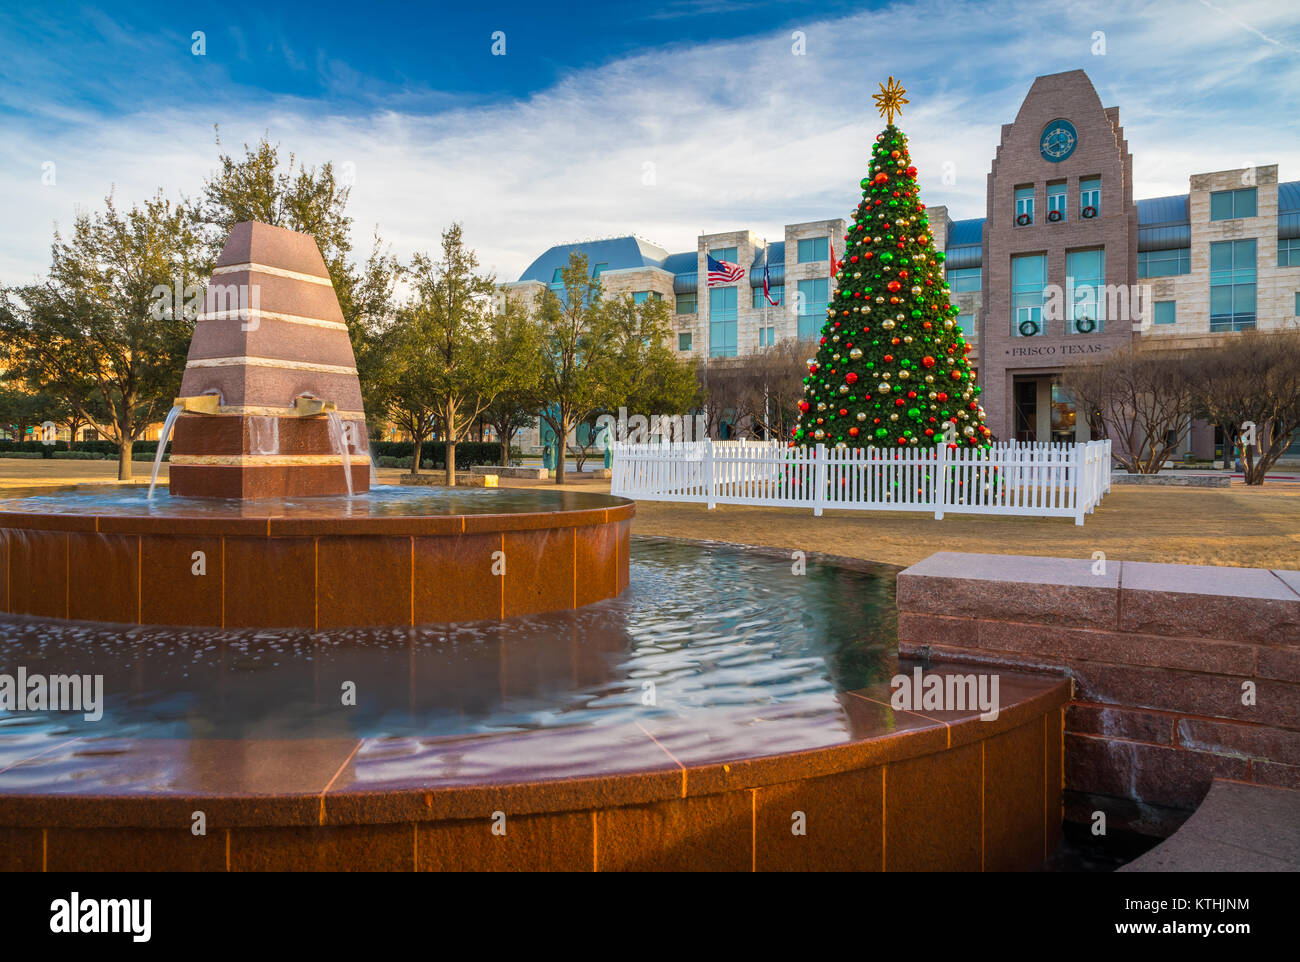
(468, 453)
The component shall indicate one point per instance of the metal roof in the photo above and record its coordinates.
(1288, 196)
(966, 232)
(619, 253)
(1163, 211)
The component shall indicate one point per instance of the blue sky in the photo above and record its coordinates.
(665, 119)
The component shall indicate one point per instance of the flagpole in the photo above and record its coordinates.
(702, 297)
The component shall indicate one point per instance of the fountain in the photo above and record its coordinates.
(345, 677)
(261, 528)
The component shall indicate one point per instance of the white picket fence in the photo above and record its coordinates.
(1039, 480)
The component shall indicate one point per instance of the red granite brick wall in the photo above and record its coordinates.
(1182, 674)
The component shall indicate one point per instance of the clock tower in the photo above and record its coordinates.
(1059, 247)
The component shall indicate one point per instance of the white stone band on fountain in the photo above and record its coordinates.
(275, 271)
(245, 361)
(256, 312)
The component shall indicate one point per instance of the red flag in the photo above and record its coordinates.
(832, 247)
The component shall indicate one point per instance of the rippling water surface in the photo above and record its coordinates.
(701, 628)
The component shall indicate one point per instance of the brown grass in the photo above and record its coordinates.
(1251, 527)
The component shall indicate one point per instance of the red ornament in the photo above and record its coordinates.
(942, 396)
(804, 406)
(893, 285)
(928, 361)
(851, 378)
(853, 432)
(956, 375)
(889, 359)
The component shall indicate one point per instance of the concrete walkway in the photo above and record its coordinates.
(1238, 828)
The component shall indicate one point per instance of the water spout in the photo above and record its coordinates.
(339, 436)
(163, 438)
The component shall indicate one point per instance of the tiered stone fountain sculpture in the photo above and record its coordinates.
(271, 402)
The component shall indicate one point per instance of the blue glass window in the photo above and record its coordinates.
(1056, 202)
(722, 322)
(1232, 285)
(727, 254)
(683, 342)
(1288, 252)
(1165, 263)
(812, 308)
(778, 294)
(1231, 204)
(813, 249)
(1086, 310)
(964, 279)
(1028, 278)
(1024, 204)
(687, 303)
(1090, 196)
(1165, 312)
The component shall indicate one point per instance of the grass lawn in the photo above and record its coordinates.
(1252, 527)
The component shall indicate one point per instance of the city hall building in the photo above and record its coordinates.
(1065, 265)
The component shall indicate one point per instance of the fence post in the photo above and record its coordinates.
(708, 474)
(940, 487)
(819, 480)
(1077, 482)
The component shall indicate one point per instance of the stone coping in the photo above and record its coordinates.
(252, 521)
(159, 783)
(1253, 605)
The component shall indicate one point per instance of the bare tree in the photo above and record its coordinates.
(1143, 400)
(1249, 385)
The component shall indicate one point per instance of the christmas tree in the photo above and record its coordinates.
(891, 366)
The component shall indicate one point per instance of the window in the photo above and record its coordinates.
(727, 254)
(1165, 263)
(1086, 310)
(1165, 312)
(1297, 303)
(640, 296)
(1232, 285)
(964, 279)
(967, 324)
(1288, 252)
(812, 308)
(722, 322)
(1024, 206)
(813, 249)
(683, 342)
(1090, 197)
(687, 303)
(1028, 278)
(557, 279)
(1056, 201)
(1231, 204)
(598, 270)
(766, 336)
(778, 295)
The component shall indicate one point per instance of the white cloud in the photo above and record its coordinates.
(741, 134)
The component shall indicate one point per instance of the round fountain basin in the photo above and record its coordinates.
(389, 557)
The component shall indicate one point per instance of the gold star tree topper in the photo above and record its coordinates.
(890, 100)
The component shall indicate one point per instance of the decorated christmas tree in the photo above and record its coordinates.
(891, 366)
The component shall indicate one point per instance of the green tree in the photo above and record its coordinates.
(891, 366)
(96, 328)
(517, 343)
(645, 375)
(579, 335)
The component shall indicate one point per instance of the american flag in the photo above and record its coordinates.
(767, 282)
(722, 272)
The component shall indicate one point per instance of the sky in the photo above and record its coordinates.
(593, 120)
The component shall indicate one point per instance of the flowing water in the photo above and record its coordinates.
(340, 438)
(163, 438)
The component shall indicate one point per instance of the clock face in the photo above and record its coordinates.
(1058, 141)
